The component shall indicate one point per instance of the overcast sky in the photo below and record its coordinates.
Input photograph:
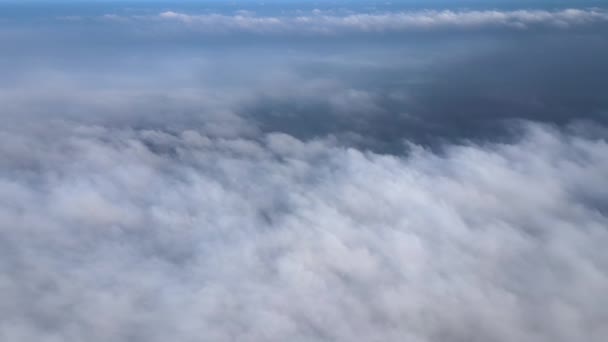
(303, 171)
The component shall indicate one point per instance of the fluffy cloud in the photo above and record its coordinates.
(148, 235)
(157, 184)
(385, 22)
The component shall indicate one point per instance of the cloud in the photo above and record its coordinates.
(446, 188)
(385, 22)
(144, 235)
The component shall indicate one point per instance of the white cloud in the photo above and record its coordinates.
(385, 22)
(144, 235)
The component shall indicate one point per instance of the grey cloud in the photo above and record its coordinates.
(145, 235)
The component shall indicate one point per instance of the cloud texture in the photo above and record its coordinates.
(159, 184)
(144, 235)
(321, 23)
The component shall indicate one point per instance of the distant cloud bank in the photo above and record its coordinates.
(319, 23)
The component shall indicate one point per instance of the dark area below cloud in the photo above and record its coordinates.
(557, 79)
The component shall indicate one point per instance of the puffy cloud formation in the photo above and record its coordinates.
(323, 180)
(123, 234)
(320, 23)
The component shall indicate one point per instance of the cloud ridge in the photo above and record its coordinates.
(386, 22)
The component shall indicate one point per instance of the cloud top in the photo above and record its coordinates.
(319, 23)
(144, 235)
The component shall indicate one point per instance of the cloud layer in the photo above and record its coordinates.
(321, 23)
(159, 184)
(145, 235)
